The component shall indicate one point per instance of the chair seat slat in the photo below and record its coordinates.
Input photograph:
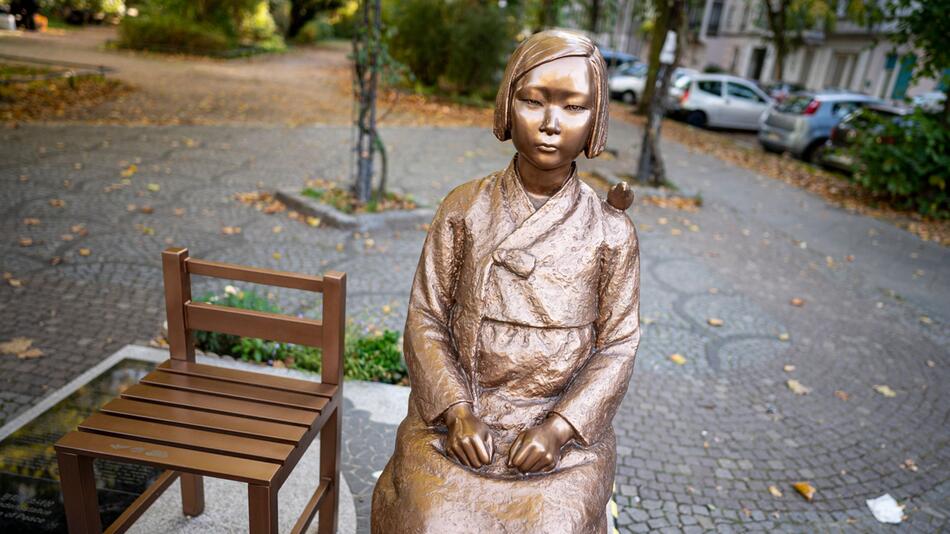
(188, 438)
(246, 377)
(201, 420)
(216, 404)
(168, 457)
(237, 391)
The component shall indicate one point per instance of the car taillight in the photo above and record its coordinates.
(685, 96)
(811, 108)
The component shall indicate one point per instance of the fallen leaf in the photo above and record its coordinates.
(15, 282)
(805, 489)
(788, 368)
(340, 247)
(56, 203)
(55, 260)
(797, 302)
(67, 237)
(842, 395)
(276, 255)
(26, 241)
(931, 363)
(775, 491)
(16, 345)
(31, 221)
(29, 354)
(153, 187)
(885, 390)
(926, 320)
(148, 210)
(131, 207)
(387, 309)
(715, 322)
(783, 336)
(713, 290)
(7, 275)
(910, 465)
(313, 221)
(797, 387)
(230, 230)
(369, 243)
(79, 229)
(84, 252)
(130, 170)
(678, 359)
(178, 212)
(277, 229)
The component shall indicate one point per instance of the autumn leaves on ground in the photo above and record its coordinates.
(312, 85)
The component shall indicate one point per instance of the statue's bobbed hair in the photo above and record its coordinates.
(544, 47)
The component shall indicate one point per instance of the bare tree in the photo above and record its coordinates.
(367, 45)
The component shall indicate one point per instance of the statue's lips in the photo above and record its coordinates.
(547, 148)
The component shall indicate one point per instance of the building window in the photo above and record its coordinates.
(714, 15)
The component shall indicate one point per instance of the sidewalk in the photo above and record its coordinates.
(698, 444)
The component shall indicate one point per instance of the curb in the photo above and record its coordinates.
(641, 190)
(397, 220)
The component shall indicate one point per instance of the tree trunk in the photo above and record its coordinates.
(651, 168)
(300, 15)
(366, 68)
(594, 16)
(776, 19)
(657, 36)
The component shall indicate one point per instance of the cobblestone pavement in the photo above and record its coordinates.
(699, 444)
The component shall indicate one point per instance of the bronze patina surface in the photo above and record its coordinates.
(523, 323)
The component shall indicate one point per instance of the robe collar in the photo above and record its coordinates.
(531, 225)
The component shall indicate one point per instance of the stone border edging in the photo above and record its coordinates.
(398, 220)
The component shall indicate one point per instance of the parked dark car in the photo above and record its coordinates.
(615, 59)
(846, 133)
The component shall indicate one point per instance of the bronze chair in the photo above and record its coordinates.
(196, 420)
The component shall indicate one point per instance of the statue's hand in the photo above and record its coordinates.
(469, 439)
(539, 448)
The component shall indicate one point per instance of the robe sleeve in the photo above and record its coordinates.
(591, 399)
(431, 356)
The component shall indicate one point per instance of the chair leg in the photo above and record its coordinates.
(262, 509)
(330, 444)
(192, 494)
(78, 481)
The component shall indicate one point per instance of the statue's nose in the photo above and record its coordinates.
(550, 125)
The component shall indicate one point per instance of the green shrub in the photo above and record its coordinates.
(906, 160)
(317, 29)
(373, 356)
(166, 33)
(461, 43)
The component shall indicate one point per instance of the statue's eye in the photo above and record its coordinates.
(576, 108)
(532, 102)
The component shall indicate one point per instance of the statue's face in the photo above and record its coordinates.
(552, 112)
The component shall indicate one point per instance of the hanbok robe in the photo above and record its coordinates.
(520, 312)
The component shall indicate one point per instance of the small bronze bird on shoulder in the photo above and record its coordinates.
(620, 196)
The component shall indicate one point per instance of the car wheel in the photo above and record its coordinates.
(696, 118)
(769, 148)
(629, 97)
(815, 151)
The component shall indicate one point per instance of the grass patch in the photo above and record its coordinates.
(343, 200)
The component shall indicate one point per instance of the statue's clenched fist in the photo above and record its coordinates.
(469, 439)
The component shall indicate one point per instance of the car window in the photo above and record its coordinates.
(709, 86)
(636, 70)
(794, 104)
(743, 92)
(843, 109)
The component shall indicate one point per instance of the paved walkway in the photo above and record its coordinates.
(699, 444)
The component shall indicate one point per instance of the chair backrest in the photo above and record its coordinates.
(185, 316)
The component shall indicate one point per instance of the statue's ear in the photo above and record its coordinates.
(620, 196)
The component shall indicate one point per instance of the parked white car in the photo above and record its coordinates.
(628, 82)
(718, 100)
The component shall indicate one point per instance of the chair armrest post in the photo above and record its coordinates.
(177, 281)
(334, 322)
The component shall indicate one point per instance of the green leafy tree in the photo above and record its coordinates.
(303, 11)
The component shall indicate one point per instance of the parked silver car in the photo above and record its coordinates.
(718, 100)
(802, 122)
